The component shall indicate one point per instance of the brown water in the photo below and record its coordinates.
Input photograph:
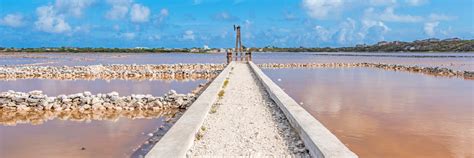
(379, 113)
(100, 138)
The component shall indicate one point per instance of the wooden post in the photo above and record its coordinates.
(229, 56)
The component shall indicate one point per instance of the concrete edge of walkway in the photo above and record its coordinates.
(180, 138)
(320, 142)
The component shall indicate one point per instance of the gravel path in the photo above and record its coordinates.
(246, 123)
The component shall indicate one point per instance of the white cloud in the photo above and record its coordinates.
(117, 12)
(320, 9)
(49, 21)
(120, 2)
(440, 17)
(347, 32)
(139, 13)
(163, 14)
(373, 31)
(416, 2)
(382, 2)
(83, 28)
(224, 16)
(188, 35)
(129, 35)
(74, 7)
(350, 32)
(430, 28)
(154, 37)
(323, 33)
(12, 20)
(389, 15)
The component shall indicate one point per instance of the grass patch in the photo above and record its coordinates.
(221, 94)
(226, 82)
(199, 135)
(213, 108)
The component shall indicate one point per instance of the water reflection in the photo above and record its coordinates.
(124, 87)
(381, 113)
(58, 138)
(13, 117)
(65, 134)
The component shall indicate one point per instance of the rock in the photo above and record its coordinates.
(32, 100)
(172, 92)
(35, 92)
(157, 103)
(87, 93)
(113, 94)
(180, 101)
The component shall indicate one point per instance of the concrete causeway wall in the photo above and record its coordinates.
(320, 142)
(180, 138)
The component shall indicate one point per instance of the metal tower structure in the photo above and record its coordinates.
(239, 52)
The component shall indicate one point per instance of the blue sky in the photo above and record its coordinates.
(195, 23)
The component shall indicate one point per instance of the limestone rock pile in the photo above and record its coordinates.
(36, 100)
(115, 71)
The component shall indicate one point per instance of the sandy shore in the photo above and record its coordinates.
(246, 122)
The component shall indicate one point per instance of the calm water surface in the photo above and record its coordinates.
(379, 113)
(376, 113)
(458, 61)
(63, 138)
(123, 87)
(72, 59)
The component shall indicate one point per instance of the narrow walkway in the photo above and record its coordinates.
(246, 122)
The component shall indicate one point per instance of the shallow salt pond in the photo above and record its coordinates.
(74, 59)
(455, 61)
(379, 113)
(107, 137)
